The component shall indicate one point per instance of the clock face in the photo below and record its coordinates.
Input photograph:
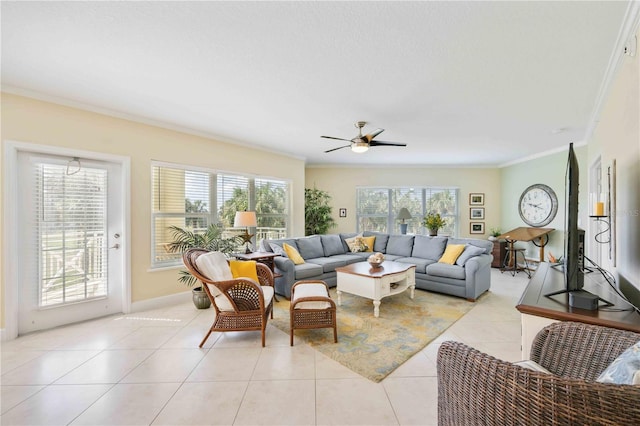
(538, 205)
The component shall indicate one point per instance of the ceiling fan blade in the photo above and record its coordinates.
(373, 134)
(340, 147)
(383, 143)
(338, 139)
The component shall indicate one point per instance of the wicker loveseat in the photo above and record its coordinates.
(477, 389)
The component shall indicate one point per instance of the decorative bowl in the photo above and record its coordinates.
(375, 260)
(375, 264)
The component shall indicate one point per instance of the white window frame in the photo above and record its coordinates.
(212, 215)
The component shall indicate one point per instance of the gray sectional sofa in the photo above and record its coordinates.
(469, 277)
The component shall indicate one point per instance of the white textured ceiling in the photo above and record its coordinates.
(462, 83)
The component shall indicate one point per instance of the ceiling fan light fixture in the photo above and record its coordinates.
(359, 147)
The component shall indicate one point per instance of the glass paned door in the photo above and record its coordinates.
(70, 257)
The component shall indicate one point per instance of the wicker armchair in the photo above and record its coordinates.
(477, 389)
(240, 304)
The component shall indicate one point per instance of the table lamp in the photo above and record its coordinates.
(248, 220)
(403, 214)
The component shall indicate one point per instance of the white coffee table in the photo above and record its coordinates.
(375, 283)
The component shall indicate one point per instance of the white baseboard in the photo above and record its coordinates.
(161, 302)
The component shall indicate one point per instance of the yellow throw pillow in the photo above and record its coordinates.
(293, 254)
(369, 242)
(451, 253)
(245, 269)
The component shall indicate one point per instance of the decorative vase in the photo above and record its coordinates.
(200, 298)
(403, 228)
(433, 232)
(492, 238)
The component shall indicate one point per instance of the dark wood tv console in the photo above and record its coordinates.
(539, 311)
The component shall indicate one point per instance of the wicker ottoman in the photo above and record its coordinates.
(312, 307)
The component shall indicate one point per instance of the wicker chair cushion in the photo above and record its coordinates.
(214, 266)
(222, 302)
(311, 290)
(624, 370)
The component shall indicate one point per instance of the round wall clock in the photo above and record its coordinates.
(538, 205)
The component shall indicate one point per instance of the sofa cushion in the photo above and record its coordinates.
(344, 237)
(625, 369)
(370, 242)
(485, 244)
(380, 244)
(421, 264)
(469, 252)
(329, 264)
(349, 258)
(451, 253)
(265, 246)
(310, 247)
(293, 254)
(332, 244)
(428, 247)
(445, 270)
(357, 244)
(400, 245)
(307, 270)
(278, 250)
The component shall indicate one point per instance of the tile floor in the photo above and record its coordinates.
(145, 368)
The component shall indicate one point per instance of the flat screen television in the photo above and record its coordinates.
(573, 264)
(573, 235)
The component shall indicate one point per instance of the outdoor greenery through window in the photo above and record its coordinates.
(196, 198)
(377, 208)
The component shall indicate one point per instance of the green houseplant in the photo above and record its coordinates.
(433, 221)
(317, 212)
(211, 239)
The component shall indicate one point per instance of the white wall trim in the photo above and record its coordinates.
(10, 233)
(161, 302)
(628, 29)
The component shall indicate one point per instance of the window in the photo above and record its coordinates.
(197, 198)
(71, 227)
(377, 208)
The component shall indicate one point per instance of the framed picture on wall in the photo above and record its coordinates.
(476, 213)
(476, 228)
(476, 199)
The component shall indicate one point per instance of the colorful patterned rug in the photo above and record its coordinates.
(374, 347)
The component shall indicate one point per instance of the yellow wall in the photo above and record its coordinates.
(43, 123)
(341, 183)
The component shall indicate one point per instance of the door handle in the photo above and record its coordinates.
(115, 246)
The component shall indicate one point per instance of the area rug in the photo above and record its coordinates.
(374, 347)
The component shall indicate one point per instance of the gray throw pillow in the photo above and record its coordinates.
(278, 249)
(469, 252)
(380, 244)
(430, 248)
(310, 247)
(400, 245)
(332, 244)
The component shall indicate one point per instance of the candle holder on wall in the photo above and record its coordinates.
(600, 211)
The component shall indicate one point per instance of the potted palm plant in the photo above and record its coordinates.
(433, 221)
(211, 239)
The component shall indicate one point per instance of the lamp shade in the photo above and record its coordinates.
(404, 214)
(246, 219)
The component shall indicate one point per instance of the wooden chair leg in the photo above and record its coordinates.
(205, 338)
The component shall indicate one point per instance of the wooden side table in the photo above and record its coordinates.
(260, 256)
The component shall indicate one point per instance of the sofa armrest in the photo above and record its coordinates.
(578, 350)
(477, 272)
(478, 389)
(287, 270)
